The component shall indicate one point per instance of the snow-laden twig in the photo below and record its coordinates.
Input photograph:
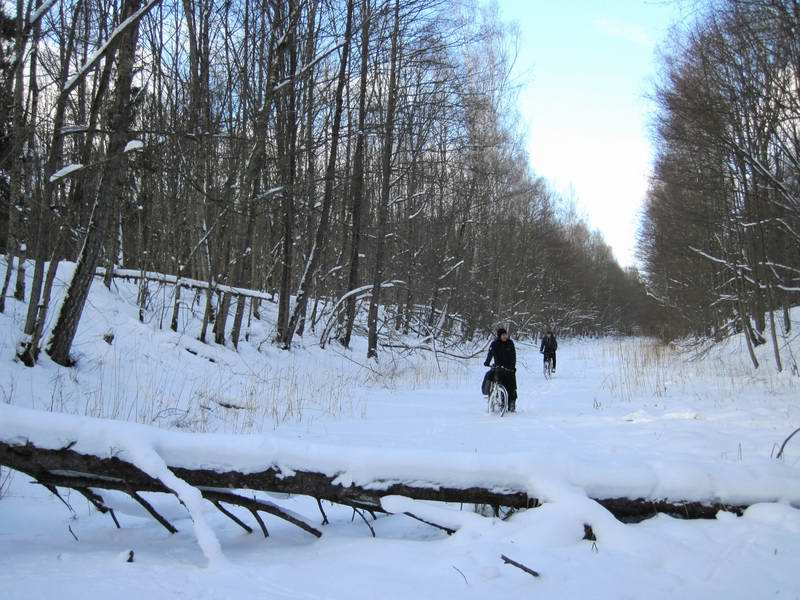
(451, 269)
(100, 52)
(133, 146)
(40, 12)
(64, 172)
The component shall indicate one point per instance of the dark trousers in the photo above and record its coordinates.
(509, 381)
(551, 355)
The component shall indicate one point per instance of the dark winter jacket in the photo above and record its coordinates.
(549, 344)
(503, 353)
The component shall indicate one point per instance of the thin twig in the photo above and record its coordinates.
(153, 513)
(324, 516)
(98, 503)
(260, 522)
(53, 490)
(421, 520)
(356, 362)
(232, 517)
(783, 445)
(520, 566)
(462, 574)
(508, 514)
(361, 514)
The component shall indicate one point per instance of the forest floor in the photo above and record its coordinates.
(621, 416)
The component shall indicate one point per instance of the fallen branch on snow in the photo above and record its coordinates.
(520, 566)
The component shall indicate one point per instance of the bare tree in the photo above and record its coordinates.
(111, 185)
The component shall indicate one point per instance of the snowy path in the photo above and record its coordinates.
(579, 418)
(579, 421)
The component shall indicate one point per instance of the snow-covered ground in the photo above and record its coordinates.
(622, 417)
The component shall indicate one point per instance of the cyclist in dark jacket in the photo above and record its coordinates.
(505, 355)
(549, 346)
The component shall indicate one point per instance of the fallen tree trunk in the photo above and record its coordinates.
(195, 284)
(66, 468)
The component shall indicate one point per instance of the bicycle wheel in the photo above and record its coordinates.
(548, 368)
(498, 399)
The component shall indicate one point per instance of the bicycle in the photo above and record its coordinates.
(548, 366)
(497, 400)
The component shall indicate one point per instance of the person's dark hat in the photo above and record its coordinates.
(501, 331)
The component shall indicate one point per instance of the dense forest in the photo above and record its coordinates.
(720, 237)
(365, 152)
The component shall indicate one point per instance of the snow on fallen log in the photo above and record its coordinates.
(145, 458)
(82, 452)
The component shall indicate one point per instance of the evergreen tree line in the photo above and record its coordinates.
(356, 156)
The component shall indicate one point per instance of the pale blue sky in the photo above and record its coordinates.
(589, 66)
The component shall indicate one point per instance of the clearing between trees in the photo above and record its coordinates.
(311, 436)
